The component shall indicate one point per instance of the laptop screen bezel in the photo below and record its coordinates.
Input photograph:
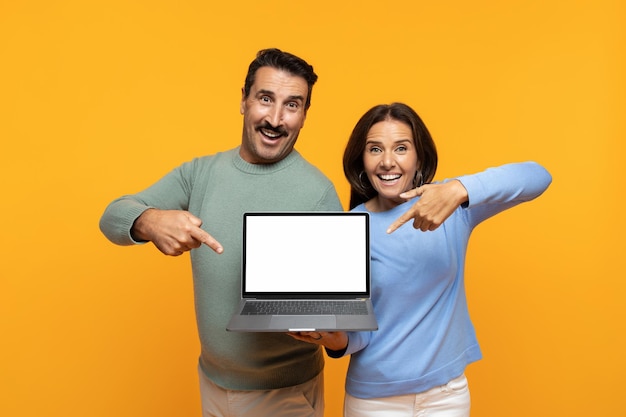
(306, 295)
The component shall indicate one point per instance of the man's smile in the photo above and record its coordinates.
(271, 132)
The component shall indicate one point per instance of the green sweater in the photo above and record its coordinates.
(218, 189)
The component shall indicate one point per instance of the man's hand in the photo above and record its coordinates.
(173, 232)
(437, 202)
(330, 340)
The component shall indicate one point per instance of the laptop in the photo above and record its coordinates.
(309, 263)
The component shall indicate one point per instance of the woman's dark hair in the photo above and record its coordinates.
(360, 188)
(285, 61)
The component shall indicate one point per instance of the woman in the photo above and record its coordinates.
(416, 359)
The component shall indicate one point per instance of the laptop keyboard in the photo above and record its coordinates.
(304, 307)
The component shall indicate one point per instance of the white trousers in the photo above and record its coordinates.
(449, 400)
(304, 400)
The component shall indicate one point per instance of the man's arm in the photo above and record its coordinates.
(173, 232)
(159, 215)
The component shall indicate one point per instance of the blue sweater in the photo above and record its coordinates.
(425, 335)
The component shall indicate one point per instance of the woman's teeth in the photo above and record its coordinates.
(389, 177)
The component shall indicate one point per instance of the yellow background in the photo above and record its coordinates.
(100, 98)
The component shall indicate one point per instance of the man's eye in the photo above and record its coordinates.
(265, 99)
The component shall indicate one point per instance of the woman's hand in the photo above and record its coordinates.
(437, 202)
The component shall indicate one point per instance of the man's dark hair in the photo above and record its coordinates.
(285, 61)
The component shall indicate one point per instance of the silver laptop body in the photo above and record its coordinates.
(309, 263)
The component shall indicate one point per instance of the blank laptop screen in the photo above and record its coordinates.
(313, 253)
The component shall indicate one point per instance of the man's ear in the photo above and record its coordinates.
(243, 99)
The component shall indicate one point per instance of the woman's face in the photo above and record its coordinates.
(390, 162)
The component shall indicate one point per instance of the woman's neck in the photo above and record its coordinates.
(378, 204)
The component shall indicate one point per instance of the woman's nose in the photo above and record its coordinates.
(387, 161)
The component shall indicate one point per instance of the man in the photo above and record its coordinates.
(198, 207)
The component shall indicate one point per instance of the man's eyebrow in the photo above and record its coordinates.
(271, 93)
(265, 92)
(297, 97)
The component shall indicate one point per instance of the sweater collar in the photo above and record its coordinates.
(249, 168)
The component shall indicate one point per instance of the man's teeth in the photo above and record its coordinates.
(389, 177)
(271, 133)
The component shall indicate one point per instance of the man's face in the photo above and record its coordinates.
(273, 114)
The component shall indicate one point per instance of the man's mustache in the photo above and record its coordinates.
(278, 130)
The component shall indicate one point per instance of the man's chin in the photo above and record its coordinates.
(272, 157)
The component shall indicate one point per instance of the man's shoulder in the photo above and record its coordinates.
(204, 161)
(306, 166)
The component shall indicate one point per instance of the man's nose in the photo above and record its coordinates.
(275, 116)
